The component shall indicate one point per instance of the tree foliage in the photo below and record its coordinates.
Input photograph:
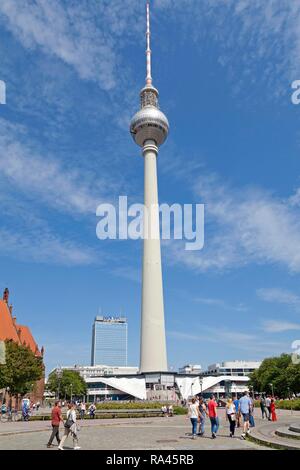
(69, 382)
(280, 372)
(21, 369)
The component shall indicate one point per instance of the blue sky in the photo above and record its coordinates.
(73, 71)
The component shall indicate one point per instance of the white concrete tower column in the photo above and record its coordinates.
(153, 338)
(149, 128)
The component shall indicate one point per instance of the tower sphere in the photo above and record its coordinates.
(149, 123)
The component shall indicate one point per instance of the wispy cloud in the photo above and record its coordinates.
(43, 246)
(243, 226)
(274, 326)
(239, 340)
(220, 303)
(82, 35)
(44, 176)
(266, 33)
(278, 295)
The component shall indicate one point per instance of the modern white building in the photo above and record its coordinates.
(190, 369)
(237, 368)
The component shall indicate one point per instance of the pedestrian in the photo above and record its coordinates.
(237, 413)
(70, 428)
(171, 411)
(56, 419)
(82, 410)
(268, 406)
(273, 410)
(263, 408)
(251, 414)
(231, 416)
(203, 414)
(92, 410)
(25, 410)
(213, 416)
(38, 406)
(245, 410)
(194, 416)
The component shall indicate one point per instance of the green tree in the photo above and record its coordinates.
(278, 371)
(69, 382)
(21, 369)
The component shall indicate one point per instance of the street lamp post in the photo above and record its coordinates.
(58, 375)
(71, 396)
(271, 385)
(201, 384)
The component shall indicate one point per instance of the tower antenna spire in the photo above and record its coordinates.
(148, 50)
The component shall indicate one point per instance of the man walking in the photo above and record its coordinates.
(268, 406)
(213, 416)
(262, 403)
(245, 410)
(56, 418)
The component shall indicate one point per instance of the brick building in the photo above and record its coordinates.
(21, 334)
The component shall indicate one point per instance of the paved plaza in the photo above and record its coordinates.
(129, 434)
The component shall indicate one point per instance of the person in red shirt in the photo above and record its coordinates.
(213, 416)
(56, 418)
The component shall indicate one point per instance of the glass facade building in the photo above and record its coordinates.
(109, 341)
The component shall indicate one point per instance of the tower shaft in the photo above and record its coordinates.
(149, 128)
(153, 339)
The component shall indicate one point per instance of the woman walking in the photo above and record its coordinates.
(70, 427)
(272, 409)
(231, 416)
(194, 416)
(203, 413)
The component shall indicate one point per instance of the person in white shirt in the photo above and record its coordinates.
(70, 427)
(231, 415)
(194, 416)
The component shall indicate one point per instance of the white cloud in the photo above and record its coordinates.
(235, 339)
(269, 29)
(40, 245)
(44, 176)
(221, 304)
(279, 295)
(243, 226)
(274, 326)
(85, 35)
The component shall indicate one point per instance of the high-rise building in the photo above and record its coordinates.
(109, 341)
(149, 128)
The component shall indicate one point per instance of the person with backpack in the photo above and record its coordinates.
(70, 428)
(263, 408)
(203, 414)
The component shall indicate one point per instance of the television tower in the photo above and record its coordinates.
(149, 128)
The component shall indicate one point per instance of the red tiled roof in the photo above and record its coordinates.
(19, 333)
(7, 326)
(27, 339)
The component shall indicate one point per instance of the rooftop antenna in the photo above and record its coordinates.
(148, 50)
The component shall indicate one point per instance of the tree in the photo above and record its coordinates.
(280, 372)
(69, 383)
(21, 369)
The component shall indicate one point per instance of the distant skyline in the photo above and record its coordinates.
(73, 71)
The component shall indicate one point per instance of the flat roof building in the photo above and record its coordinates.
(109, 341)
(237, 368)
